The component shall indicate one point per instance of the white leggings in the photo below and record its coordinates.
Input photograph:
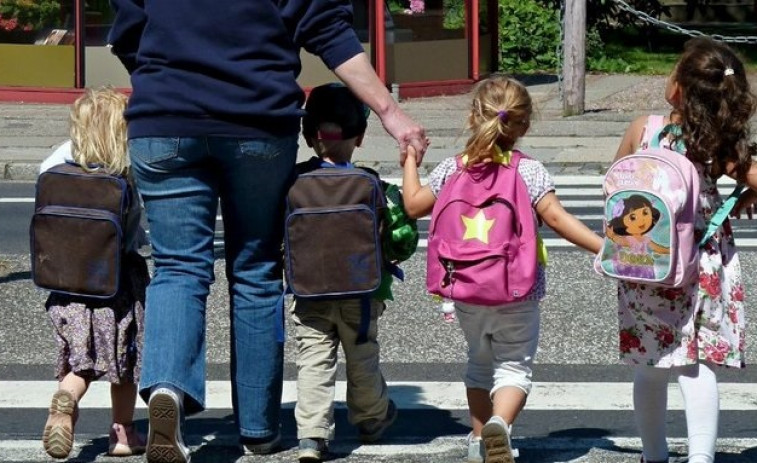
(700, 395)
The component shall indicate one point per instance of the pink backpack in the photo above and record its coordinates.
(651, 205)
(482, 238)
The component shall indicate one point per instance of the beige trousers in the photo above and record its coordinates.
(320, 327)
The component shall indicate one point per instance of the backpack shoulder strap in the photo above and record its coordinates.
(653, 126)
(721, 214)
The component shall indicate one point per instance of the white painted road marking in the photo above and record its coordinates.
(584, 396)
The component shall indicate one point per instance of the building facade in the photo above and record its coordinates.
(51, 49)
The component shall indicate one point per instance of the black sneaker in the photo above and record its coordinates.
(312, 450)
(372, 430)
(255, 446)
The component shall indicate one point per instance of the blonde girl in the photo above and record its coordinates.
(684, 334)
(99, 338)
(501, 340)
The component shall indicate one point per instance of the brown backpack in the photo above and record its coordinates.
(77, 231)
(332, 238)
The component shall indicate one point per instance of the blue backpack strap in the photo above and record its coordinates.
(365, 320)
(395, 270)
(337, 165)
(281, 320)
(721, 214)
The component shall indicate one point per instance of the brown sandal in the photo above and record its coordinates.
(58, 437)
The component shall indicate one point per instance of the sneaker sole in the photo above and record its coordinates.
(265, 448)
(164, 444)
(309, 456)
(59, 440)
(496, 444)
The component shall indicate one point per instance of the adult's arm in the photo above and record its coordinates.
(125, 33)
(324, 28)
(358, 74)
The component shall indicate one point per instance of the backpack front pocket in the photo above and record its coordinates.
(333, 251)
(639, 238)
(479, 275)
(76, 251)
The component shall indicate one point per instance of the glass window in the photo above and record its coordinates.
(36, 43)
(428, 41)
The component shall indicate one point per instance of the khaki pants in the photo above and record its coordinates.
(320, 326)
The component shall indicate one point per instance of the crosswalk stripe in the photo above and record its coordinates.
(583, 396)
(15, 450)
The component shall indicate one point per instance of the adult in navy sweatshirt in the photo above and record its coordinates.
(215, 113)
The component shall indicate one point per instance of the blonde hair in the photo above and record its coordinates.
(500, 114)
(98, 130)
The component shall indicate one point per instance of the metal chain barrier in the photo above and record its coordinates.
(680, 30)
(741, 39)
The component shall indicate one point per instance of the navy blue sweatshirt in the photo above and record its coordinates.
(224, 67)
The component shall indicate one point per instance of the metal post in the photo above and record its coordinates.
(79, 44)
(574, 61)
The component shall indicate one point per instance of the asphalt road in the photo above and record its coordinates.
(579, 411)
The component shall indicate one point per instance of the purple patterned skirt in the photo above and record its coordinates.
(102, 338)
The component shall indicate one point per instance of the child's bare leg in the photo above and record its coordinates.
(508, 403)
(58, 435)
(124, 439)
(480, 406)
(75, 384)
(123, 398)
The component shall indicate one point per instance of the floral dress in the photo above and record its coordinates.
(704, 321)
(102, 338)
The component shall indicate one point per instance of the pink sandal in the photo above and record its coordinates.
(125, 441)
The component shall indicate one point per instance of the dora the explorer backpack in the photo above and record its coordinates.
(482, 244)
(332, 238)
(651, 206)
(77, 231)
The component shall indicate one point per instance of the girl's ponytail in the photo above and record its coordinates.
(500, 115)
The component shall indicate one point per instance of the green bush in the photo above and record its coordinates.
(28, 14)
(530, 38)
(454, 14)
(529, 34)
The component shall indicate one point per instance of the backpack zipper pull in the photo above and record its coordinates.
(449, 275)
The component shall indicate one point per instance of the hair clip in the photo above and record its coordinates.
(502, 114)
(728, 72)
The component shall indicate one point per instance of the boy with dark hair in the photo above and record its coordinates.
(333, 126)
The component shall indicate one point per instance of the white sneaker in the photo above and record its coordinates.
(475, 449)
(164, 441)
(496, 437)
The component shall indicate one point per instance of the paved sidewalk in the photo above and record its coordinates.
(573, 145)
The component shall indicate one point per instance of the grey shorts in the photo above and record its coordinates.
(502, 343)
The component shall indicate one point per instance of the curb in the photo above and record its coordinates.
(20, 171)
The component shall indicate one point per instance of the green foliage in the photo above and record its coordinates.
(29, 14)
(454, 14)
(396, 6)
(529, 36)
(530, 39)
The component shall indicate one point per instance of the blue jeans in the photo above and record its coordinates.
(181, 181)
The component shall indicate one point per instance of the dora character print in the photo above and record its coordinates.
(633, 232)
(651, 205)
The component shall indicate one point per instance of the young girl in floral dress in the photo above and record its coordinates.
(685, 333)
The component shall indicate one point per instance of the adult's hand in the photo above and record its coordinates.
(358, 74)
(407, 133)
